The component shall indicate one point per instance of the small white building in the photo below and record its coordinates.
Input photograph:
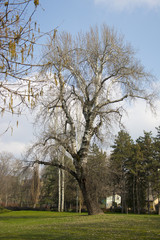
(113, 199)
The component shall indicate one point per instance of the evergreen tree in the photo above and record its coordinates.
(97, 176)
(50, 189)
(146, 147)
(119, 164)
(156, 167)
(97, 172)
(137, 181)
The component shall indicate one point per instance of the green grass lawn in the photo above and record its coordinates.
(51, 225)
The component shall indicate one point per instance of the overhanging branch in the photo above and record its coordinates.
(67, 169)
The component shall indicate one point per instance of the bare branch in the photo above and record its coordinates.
(52, 163)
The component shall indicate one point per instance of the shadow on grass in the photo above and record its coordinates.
(43, 215)
(41, 236)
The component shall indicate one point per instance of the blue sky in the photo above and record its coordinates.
(139, 23)
(137, 20)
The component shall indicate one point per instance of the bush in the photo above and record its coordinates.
(3, 210)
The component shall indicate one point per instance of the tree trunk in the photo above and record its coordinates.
(148, 199)
(77, 199)
(89, 199)
(35, 185)
(61, 176)
(113, 200)
(59, 190)
(133, 192)
(80, 202)
(62, 200)
(137, 197)
(123, 196)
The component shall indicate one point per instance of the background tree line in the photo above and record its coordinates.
(28, 187)
(15, 184)
(135, 170)
(132, 171)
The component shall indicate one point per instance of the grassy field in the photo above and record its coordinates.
(50, 225)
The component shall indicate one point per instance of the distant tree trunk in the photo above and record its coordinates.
(113, 199)
(123, 196)
(133, 193)
(59, 190)
(35, 185)
(61, 178)
(148, 199)
(80, 201)
(77, 199)
(62, 200)
(137, 197)
(125, 204)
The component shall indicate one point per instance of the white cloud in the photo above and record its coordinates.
(140, 119)
(121, 5)
(16, 139)
(17, 148)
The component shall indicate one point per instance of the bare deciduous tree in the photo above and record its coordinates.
(18, 34)
(92, 76)
(35, 185)
(15, 184)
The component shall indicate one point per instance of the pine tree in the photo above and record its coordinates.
(156, 167)
(97, 172)
(138, 180)
(119, 164)
(146, 147)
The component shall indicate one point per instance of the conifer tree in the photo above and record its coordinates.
(146, 146)
(156, 167)
(119, 164)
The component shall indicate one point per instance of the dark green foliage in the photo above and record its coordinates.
(97, 167)
(49, 190)
(120, 165)
(97, 176)
(147, 163)
(135, 170)
(156, 168)
(136, 181)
